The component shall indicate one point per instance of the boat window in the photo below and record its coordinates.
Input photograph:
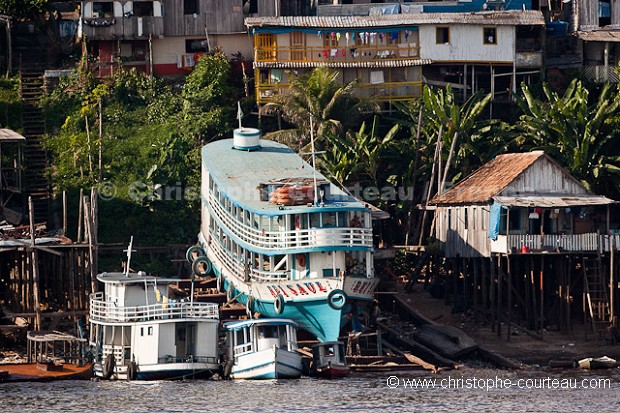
(150, 331)
(329, 219)
(315, 220)
(283, 342)
(267, 332)
(341, 219)
(330, 272)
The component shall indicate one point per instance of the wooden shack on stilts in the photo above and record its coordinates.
(45, 276)
(527, 244)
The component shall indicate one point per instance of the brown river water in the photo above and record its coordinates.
(456, 391)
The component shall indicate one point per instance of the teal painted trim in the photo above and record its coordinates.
(247, 148)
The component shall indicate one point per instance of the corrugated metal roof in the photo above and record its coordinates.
(600, 36)
(8, 135)
(369, 65)
(553, 201)
(489, 180)
(498, 18)
(239, 174)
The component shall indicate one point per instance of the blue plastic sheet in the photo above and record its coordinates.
(494, 220)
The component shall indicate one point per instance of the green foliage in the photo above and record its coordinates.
(10, 104)
(576, 131)
(318, 93)
(22, 8)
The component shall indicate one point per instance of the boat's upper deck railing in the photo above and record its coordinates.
(292, 240)
(109, 311)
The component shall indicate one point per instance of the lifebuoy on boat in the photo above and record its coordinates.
(219, 283)
(202, 266)
(278, 304)
(193, 253)
(301, 260)
(132, 370)
(108, 366)
(336, 299)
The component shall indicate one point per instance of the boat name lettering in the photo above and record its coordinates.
(298, 289)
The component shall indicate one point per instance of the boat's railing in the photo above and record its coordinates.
(291, 239)
(242, 348)
(108, 311)
(235, 266)
(187, 359)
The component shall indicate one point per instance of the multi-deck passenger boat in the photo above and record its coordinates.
(137, 332)
(280, 238)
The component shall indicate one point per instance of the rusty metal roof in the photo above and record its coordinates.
(553, 201)
(369, 65)
(600, 36)
(9, 135)
(489, 180)
(498, 18)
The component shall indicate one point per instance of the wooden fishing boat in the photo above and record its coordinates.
(329, 361)
(262, 349)
(448, 341)
(51, 356)
(591, 363)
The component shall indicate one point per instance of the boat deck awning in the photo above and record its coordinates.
(553, 201)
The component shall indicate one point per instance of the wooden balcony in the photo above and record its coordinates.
(111, 28)
(558, 243)
(340, 54)
(381, 92)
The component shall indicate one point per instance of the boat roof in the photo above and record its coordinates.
(51, 336)
(133, 278)
(237, 325)
(238, 174)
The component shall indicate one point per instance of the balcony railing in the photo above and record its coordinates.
(283, 241)
(387, 91)
(341, 53)
(601, 74)
(590, 242)
(108, 311)
(113, 28)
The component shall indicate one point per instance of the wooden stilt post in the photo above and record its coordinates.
(35, 267)
(542, 295)
(492, 272)
(80, 216)
(88, 233)
(509, 276)
(499, 296)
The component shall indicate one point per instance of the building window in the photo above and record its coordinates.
(150, 331)
(196, 46)
(103, 10)
(190, 7)
(489, 35)
(442, 35)
(142, 8)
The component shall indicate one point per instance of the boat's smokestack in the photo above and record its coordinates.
(246, 139)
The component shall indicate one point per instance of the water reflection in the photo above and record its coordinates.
(358, 393)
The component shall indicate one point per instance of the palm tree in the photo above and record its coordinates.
(360, 154)
(320, 94)
(578, 134)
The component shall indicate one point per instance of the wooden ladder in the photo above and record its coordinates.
(36, 180)
(596, 292)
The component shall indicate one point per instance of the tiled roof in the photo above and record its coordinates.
(489, 180)
(369, 65)
(509, 17)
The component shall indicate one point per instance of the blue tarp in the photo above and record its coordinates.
(494, 220)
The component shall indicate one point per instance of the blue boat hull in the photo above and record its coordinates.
(315, 316)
